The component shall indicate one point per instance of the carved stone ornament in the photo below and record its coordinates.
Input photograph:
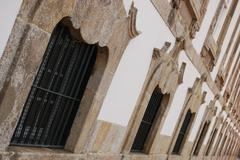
(175, 4)
(195, 96)
(132, 15)
(194, 27)
(211, 107)
(166, 62)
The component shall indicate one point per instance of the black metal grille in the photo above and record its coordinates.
(147, 121)
(182, 133)
(56, 92)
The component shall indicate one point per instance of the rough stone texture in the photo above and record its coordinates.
(107, 137)
(13, 45)
(166, 140)
(17, 86)
(102, 22)
(106, 23)
(50, 12)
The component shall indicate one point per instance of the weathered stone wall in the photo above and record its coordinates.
(106, 23)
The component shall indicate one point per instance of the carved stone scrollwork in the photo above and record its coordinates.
(175, 4)
(167, 62)
(194, 27)
(133, 32)
(157, 53)
(212, 108)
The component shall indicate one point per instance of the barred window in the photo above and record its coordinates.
(56, 92)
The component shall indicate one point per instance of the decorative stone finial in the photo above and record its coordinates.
(132, 15)
(181, 73)
(165, 47)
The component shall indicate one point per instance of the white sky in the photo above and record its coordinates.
(8, 13)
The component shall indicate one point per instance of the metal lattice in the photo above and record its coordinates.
(56, 92)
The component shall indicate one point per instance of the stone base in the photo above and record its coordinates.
(30, 153)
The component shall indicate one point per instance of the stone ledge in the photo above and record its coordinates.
(30, 153)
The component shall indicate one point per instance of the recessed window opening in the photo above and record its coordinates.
(201, 138)
(211, 142)
(147, 121)
(183, 132)
(56, 92)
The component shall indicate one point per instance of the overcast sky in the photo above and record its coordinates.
(8, 13)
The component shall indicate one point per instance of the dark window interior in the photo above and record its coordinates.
(56, 92)
(211, 142)
(217, 144)
(183, 132)
(147, 121)
(201, 138)
(222, 145)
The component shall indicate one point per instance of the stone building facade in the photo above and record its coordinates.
(150, 79)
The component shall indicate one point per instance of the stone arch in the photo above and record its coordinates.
(194, 98)
(38, 19)
(161, 64)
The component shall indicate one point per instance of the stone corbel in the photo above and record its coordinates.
(181, 73)
(132, 16)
